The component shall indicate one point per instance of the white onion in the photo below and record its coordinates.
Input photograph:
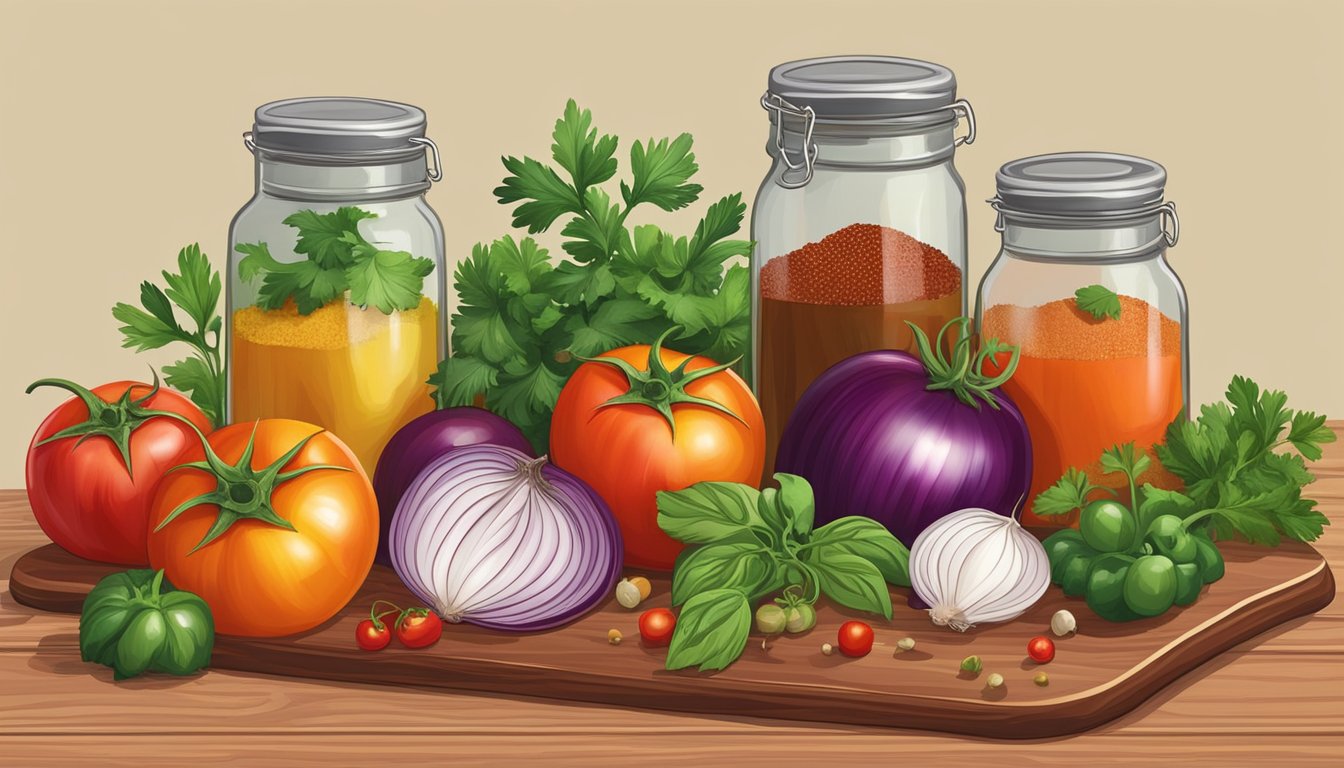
(975, 566)
(488, 535)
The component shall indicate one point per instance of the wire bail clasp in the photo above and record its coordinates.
(771, 102)
(1167, 212)
(436, 169)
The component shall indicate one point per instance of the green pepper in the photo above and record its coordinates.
(1188, 583)
(1107, 526)
(135, 622)
(1106, 587)
(1168, 537)
(1150, 585)
(1209, 560)
(1060, 547)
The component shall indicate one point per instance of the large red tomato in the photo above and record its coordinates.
(614, 426)
(274, 527)
(82, 493)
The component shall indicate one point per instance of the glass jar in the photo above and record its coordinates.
(860, 224)
(1083, 288)
(336, 271)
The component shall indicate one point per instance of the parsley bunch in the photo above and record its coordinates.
(194, 289)
(524, 321)
(1238, 484)
(339, 260)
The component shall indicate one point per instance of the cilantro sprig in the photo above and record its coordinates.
(525, 319)
(339, 260)
(1239, 482)
(1098, 301)
(194, 289)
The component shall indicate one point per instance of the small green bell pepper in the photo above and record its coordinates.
(135, 622)
(1168, 537)
(1106, 587)
(1209, 560)
(1150, 585)
(1188, 583)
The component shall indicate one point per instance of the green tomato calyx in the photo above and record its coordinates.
(241, 492)
(659, 388)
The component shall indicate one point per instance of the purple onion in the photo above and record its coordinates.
(491, 536)
(873, 440)
(425, 439)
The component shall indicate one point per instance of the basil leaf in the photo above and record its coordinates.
(795, 497)
(865, 538)
(743, 564)
(100, 629)
(768, 506)
(852, 581)
(708, 512)
(711, 631)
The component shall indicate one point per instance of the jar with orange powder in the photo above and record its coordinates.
(1083, 287)
(336, 271)
(860, 224)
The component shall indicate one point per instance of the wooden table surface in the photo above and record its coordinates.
(1278, 697)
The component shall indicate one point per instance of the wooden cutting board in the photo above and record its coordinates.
(1102, 672)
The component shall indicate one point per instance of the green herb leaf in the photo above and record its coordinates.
(1069, 493)
(586, 284)
(1156, 501)
(708, 511)
(548, 196)
(1125, 459)
(324, 237)
(661, 172)
(459, 380)
(851, 581)
(797, 503)
(1231, 468)
(1098, 301)
(523, 266)
(1308, 433)
(520, 388)
(711, 631)
(596, 234)
(865, 538)
(615, 323)
(742, 563)
(388, 280)
(577, 148)
(195, 289)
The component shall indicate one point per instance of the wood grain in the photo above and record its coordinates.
(1101, 673)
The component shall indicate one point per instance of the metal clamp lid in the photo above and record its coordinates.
(434, 170)
(772, 102)
(1166, 212)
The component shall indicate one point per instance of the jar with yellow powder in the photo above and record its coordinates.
(336, 271)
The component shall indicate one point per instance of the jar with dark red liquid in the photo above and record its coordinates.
(860, 226)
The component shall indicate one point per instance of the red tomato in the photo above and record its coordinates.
(1041, 649)
(419, 628)
(656, 625)
(81, 493)
(372, 638)
(627, 453)
(300, 544)
(855, 638)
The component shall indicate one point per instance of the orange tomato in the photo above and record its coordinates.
(259, 577)
(627, 452)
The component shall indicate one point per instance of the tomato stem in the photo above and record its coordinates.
(657, 387)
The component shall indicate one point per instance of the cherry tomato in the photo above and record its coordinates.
(1041, 649)
(371, 637)
(418, 628)
(656, 625)
(855, 638)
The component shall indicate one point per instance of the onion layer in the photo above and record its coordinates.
(490, 536)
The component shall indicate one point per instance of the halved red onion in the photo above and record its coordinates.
(491, 536)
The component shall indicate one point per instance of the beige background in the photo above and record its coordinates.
(120, 123)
